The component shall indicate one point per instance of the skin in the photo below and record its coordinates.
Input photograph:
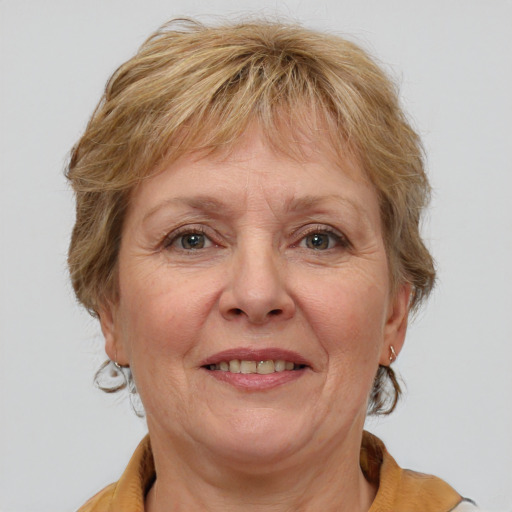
(257, 282)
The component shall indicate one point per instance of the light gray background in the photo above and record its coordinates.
(61, 440)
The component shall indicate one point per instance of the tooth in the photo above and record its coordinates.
(279, 365)
(265, 367)
(247, 366)
(224, 366)
(234, 366)
(289, 365)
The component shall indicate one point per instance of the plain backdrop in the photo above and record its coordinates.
(61, 440)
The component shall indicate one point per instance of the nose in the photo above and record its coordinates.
(256, 287)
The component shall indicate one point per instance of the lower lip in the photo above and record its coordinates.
(255, 381)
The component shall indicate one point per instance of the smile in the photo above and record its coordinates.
(252, 370)
(259, 367)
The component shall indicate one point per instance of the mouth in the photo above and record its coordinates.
(256, 369)
(263, 367)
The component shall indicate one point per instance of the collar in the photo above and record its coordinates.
(402, 490)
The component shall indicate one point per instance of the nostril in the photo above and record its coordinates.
(240, 312)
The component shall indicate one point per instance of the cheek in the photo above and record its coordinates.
(161, 325)
(164, 314)
(348, 316)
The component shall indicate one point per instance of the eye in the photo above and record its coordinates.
(193, 241)
(322, 240)
(318, 241)
(188, 241)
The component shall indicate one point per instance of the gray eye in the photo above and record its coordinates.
(318, 241)
(193, 241)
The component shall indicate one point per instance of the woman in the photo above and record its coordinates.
(248, 202)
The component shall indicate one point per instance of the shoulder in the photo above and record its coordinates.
(403, 490)
(99, 502)
(128, 493)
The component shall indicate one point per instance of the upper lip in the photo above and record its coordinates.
(251, 354)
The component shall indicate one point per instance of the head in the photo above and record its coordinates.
(196, 90)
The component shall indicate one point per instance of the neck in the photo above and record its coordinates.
(330, 480)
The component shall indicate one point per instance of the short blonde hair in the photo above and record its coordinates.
(192, 87)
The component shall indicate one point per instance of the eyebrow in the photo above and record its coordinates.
(198, 203)
(212, 206)
(310, 202)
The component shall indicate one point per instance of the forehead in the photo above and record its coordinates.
(254, 174)
(298, 133)
(312, 144)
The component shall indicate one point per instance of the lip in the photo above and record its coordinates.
(256, 382)
(250, 354)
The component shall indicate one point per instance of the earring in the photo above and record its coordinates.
(111, 376)
(115, 369)
(393, 355)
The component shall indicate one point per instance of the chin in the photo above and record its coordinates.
(261, 437)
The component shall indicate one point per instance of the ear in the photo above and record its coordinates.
(396, 323)
(114, 346)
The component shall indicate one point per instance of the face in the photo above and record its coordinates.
(254, 302)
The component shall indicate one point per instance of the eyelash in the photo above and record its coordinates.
(339, 239)
(175, 236)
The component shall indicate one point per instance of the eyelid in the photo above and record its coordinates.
(322, 228)
(170, 238)
(298, 235)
